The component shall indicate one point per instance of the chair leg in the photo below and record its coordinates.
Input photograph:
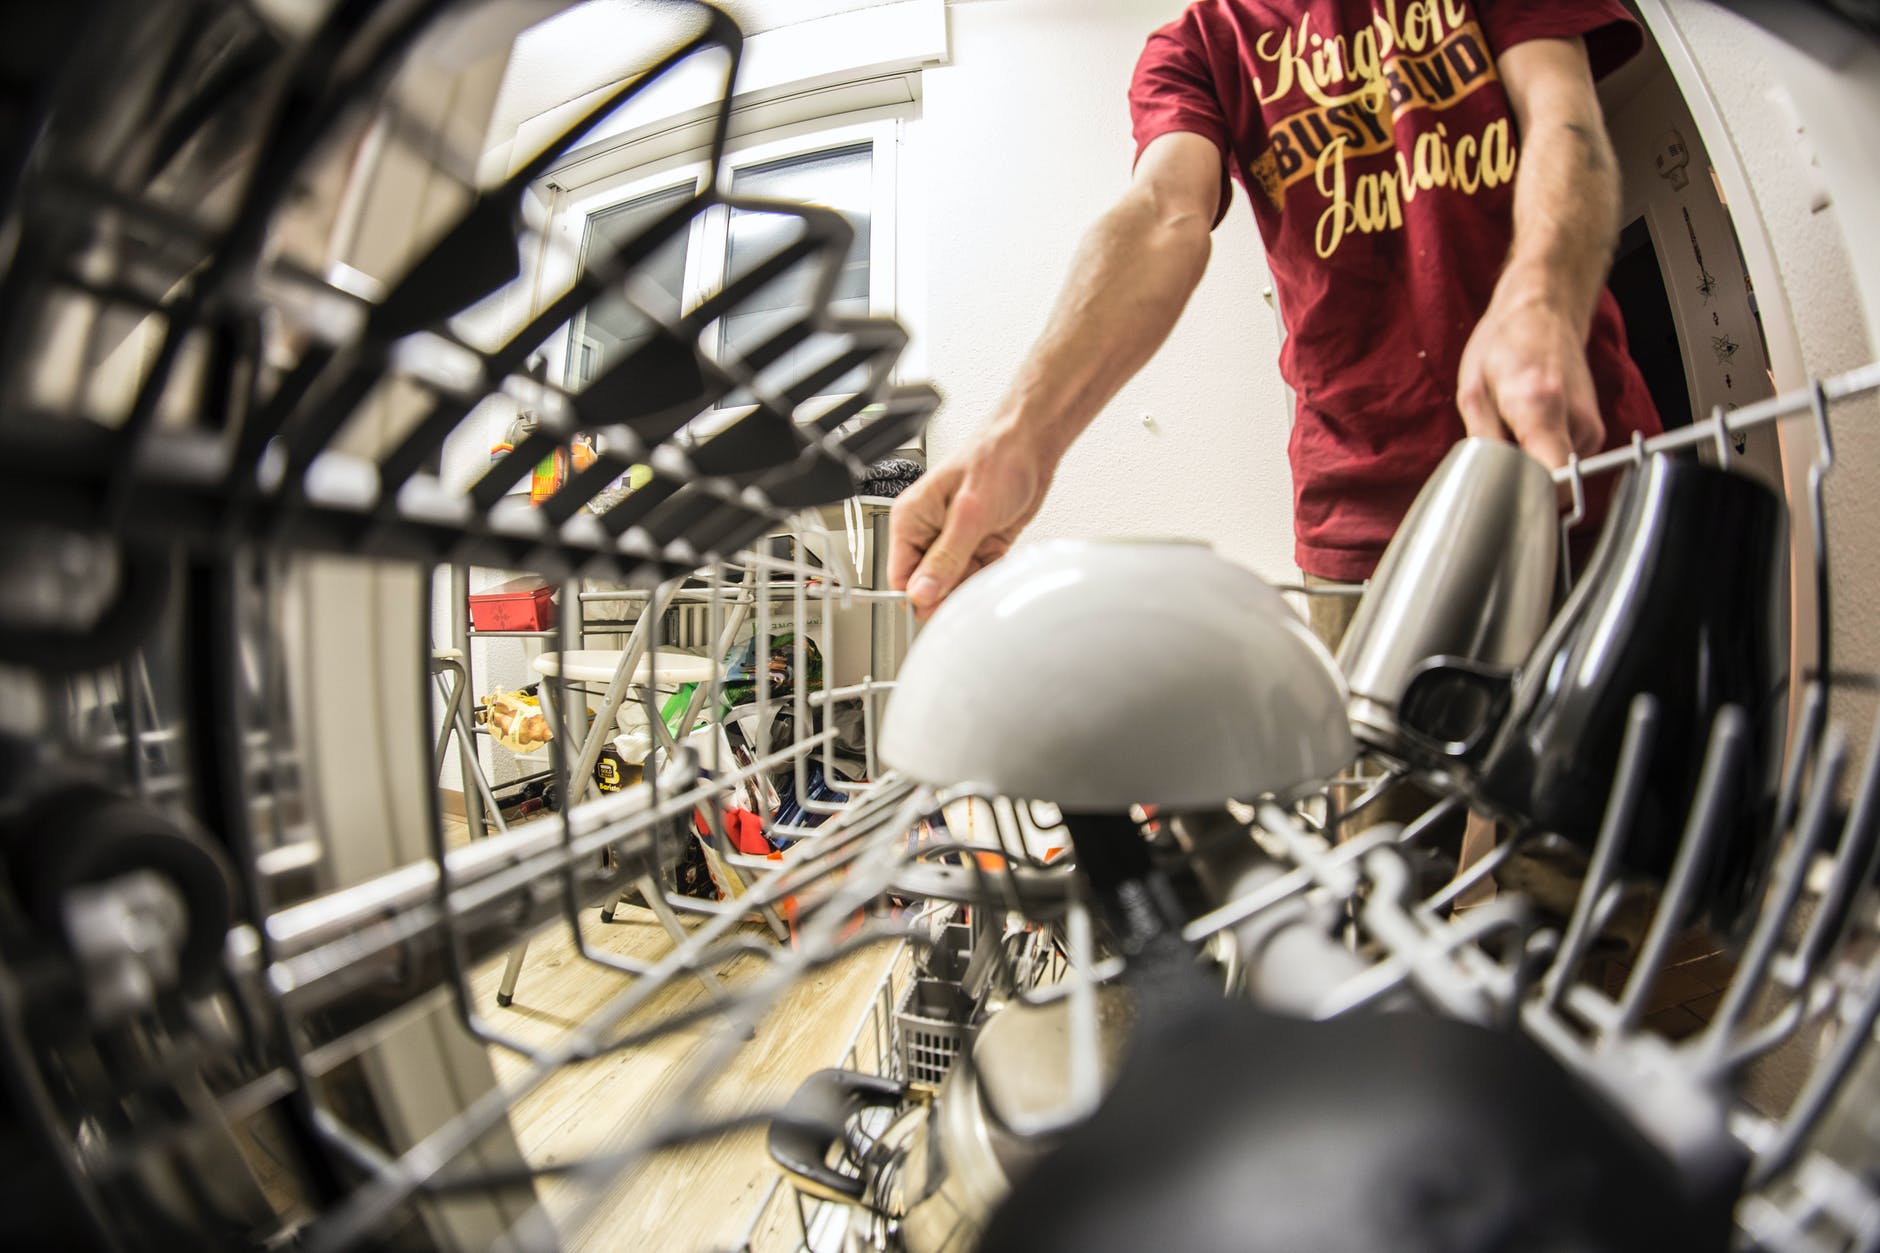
(506, 991)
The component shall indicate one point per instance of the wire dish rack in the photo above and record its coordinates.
(248, 975)
(239, 1000)
(1312, 912)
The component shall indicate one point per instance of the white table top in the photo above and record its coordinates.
(667, 668)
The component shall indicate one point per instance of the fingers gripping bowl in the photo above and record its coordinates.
(1104, 674)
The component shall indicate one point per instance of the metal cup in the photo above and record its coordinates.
(1470, 574)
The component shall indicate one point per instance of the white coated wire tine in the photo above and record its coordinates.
(1480, 871)
(136, 767)
(829, 667)
(1720, 433)
(1576, 482)
(1374, 792)
(1854, 866)
(1086, 1077)
(1426, 821)
(1818, 518)
(1431, 964)
(1296, 880)
(1728, 738)
(1824, 1082)
(1775, 1031)
(799, 662)
(1794, 770)
(1818, 410)
(1870, 1237)
(1451, 937)
(761, 586)
(1855, 382)
(274, 701)
(1577, 485)
(643, 640)
(1363, 989)
(1309, 851)
(706, 696)
(1791, 874)
(63, 695)
(870, 762)
(456, 954)
(1615, 826)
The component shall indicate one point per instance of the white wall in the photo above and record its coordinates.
(1024, 139)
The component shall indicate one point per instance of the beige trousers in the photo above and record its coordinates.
(1330, 617)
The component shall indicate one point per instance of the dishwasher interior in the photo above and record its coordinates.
(244, 991)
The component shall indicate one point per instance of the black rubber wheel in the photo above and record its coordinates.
(83, 834)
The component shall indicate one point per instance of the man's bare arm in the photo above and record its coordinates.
(1524, 371)
(1131, 277)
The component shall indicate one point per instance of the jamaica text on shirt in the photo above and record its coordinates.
(1368, 203)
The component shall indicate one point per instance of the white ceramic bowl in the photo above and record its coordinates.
(1104, 674)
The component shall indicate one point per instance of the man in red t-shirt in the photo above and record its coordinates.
(1431, 285)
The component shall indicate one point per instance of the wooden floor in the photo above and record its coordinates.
(701, 1197)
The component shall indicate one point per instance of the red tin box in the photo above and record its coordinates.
(524, 604)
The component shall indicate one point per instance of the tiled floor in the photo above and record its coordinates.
(1688, 988)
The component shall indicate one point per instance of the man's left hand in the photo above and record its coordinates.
(1524, 375)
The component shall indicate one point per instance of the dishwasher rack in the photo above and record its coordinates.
(1341, 928)
(235, 1006)
(238, 946)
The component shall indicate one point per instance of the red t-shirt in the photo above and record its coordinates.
(1378, 148)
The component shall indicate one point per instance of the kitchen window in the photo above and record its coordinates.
(849, 169)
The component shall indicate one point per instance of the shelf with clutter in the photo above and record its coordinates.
(615, 682)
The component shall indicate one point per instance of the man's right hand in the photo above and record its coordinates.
(964, 515)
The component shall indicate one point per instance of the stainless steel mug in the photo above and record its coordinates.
(1470, 573)
(1684, 600)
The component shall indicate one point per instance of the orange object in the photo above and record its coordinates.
(743, 828)
(552, 471)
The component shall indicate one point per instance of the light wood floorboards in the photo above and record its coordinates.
(700, 1197)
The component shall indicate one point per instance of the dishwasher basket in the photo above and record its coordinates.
(249, 992)
(252, 977)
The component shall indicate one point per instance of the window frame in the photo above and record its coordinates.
(570, 228)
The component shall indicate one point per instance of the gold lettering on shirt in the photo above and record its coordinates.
(1326, 68)
(1416, 56)
(1372, 202)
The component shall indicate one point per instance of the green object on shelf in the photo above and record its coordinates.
(740, 689)
(674, 709)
